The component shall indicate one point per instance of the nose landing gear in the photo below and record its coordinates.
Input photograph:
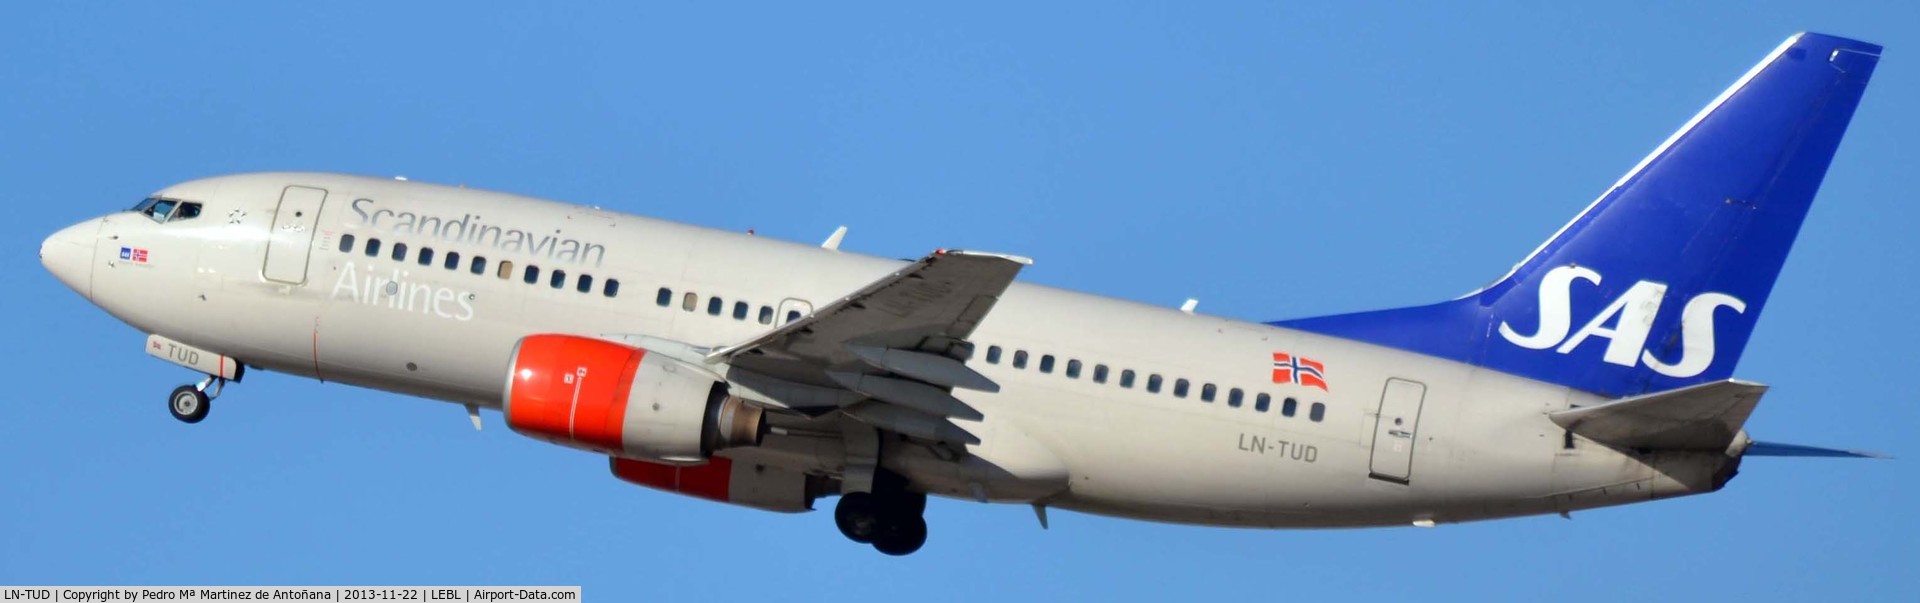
(190, 403)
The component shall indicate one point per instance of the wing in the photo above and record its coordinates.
(888, 354)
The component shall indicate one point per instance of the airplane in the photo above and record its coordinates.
(1598, 371)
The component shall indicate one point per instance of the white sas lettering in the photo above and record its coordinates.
(1696, 336)
(1626, 323)
(1635, 310)
(1555, 290)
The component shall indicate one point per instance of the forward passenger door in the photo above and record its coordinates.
(290, 239)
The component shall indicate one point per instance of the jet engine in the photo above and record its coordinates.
(623, 401)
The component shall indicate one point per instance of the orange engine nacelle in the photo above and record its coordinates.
(622, 401)
(725, 480)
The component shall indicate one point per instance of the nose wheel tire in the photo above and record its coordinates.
(189, 404)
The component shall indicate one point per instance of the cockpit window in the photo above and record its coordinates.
(163, 210)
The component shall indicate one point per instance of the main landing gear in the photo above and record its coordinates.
(891, 518)
(190, 403)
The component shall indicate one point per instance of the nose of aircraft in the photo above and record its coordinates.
(68, 254)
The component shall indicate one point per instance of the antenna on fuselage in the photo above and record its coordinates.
(833, 240)
(1192, 302)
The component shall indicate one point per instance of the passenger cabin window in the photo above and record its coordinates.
(1235, 397)
(993, 354)
(1207, 391)
(689, 301)
(533, 274)
(739, 310)
(1100, 373)
(373, 248)
(1318, 412)
(793, 315)
(346, 243)
(1073, 369)
(612, 288)
(426, 256)
(479, 265)
(714, 306)
(399, 252)
(664, 298)
(1020, 359)
(1153, 384)
(585, 285)
(1126, 379)
(453, 260)
(766, 315)
(1262, 402)
(1180, 388)
(1046, 363)
(558, 279)
(505, 270)
(1287, 407)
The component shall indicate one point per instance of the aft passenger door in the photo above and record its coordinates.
(1396, 429)
(291, 238)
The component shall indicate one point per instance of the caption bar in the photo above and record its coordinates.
(99, 594)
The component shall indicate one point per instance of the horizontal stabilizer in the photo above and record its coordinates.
(1707, 416)
(1778, 449)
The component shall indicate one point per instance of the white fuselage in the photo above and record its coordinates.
(1473, 443)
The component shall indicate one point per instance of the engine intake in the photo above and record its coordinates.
(623, 401)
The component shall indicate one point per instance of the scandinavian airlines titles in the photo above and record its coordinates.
(396, 292)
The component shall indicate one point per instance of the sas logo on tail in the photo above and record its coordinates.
(1288, 368)
(1631, 316)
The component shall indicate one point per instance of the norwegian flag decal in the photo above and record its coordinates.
(1288, 368)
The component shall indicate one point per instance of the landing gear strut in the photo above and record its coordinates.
(890, 518)
(190, 403)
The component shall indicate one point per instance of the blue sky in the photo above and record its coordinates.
(1274, 161)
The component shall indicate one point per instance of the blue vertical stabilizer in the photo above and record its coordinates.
(1659, 283)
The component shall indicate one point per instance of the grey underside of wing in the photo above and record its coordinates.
(910, 326)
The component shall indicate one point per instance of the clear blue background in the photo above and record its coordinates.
(1274, 161)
